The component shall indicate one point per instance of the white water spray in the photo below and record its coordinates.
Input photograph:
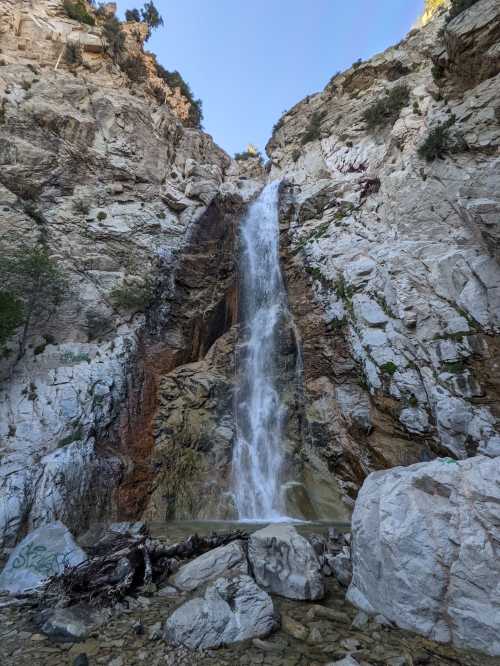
(258, 455)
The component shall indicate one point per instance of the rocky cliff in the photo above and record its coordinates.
(122, 401)
(390, 241)
(132, 205)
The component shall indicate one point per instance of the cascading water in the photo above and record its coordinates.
(258, 455)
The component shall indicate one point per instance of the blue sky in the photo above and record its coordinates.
(249, 60)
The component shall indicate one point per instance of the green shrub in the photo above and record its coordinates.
(436, 144)
(132, 16)
(175, 80)
(77, 10)
(440, 142)
(11, 316)
(389, 368)
(151, 16)
(135, 68)
(459, 6)
(101, 215)
(385, 111)
(357, 64)
(148, 15)
(437, 71)
(36, 284)
(114, 36)
(313, 130)
(132, 297)
(73, 53)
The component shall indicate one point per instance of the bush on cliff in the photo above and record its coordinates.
(73, 53)
(132, 16)
(114, 36)
(149, 15)
(313, 130)
(77, 10)
(175, 80)
(135, 68)
(385, 111)
(134, 296)
(11, 316)
(36, 283)
(441, 142)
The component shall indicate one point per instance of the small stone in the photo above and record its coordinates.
(138, 628)
(346, 661)
(294, 628)
(266, 646)
(315, 636)
(350, 644)
(360, 621)
(155, 632)
(382, 621)
(81, 660)
(168, 591)
(117, 661)
(398, 661)
(327, 613)
(38, 637)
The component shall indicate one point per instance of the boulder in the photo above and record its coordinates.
(211, 565)
(67, 624)
(44, 552)
(342, 567)
(425, 550)
(233, 609)
(284, 562)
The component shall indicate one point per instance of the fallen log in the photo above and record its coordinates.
(120, 564)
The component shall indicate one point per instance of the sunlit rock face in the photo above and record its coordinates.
(391, 261)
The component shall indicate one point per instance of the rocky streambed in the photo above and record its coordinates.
(281, 593)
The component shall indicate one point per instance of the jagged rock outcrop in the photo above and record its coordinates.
(425, 550)
(392, 260)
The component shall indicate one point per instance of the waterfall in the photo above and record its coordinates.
(259, 412)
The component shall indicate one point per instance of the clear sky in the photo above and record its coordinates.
(250, 60)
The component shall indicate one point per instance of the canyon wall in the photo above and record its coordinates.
(391, 252)
(138, 211)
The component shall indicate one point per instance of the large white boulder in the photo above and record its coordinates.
(283, 562)
(425, 550)
(211, 565)
(233, 609)
(43, 553)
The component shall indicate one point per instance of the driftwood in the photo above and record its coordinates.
(120, 564)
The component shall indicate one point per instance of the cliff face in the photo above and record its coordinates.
(392, 259)
(103, 174)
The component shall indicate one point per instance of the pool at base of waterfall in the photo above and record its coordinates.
(178, 530)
